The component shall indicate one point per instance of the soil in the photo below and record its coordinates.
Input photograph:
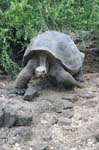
(57, 119)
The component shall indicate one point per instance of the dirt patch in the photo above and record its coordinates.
(58, 119)
(91, 64)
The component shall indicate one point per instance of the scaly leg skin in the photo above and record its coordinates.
(23, 77)
(63, 77)
(79, 76)
(66, 79)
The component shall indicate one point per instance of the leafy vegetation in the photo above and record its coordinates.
(22, 19)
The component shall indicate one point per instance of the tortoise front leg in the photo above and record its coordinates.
(25, 75)
(79, 75)
(23, 78)
(59, 75)
(66, 78)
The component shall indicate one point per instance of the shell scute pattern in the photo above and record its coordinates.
(58, 44)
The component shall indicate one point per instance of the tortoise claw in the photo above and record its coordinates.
(18, 91)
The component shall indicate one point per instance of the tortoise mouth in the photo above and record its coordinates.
(41, 72)
(43, 64)
(40, 75)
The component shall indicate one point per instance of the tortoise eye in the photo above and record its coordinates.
(43, 71)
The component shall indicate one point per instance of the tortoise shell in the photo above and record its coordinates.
(58, 44)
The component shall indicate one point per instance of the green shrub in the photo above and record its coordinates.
(22, 19)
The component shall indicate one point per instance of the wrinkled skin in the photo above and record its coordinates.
(42, 67)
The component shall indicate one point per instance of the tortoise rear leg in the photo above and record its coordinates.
(24, 76)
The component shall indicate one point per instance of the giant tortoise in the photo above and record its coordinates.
(51, 54)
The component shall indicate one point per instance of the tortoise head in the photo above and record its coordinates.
(42, 68)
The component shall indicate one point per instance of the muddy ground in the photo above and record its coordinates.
(58, 119)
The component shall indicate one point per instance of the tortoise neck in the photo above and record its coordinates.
(42, 60)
